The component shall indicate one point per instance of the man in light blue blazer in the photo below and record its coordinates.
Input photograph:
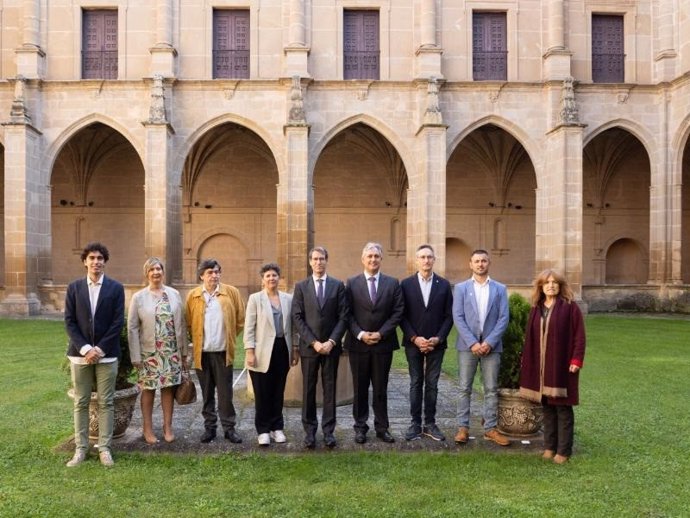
(480, 313)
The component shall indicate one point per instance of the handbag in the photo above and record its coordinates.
(185, 393)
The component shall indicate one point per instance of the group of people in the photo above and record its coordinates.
(310, 327)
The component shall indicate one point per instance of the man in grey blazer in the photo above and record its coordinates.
(376, 306)
(94, 316)
(480, 313)
(319, 313)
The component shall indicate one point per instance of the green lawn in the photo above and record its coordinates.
(632, 450)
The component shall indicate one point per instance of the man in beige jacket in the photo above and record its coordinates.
(215, 316)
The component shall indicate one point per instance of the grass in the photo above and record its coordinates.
(631, 444)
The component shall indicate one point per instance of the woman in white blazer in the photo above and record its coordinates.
(271, 348)
(157, 345)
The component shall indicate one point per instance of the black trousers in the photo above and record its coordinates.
(269, 389)
(328, 364)
(559, 428)
(370, 369)
(214, 376)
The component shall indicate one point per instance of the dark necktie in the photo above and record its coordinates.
(372, 289)
(319, 292)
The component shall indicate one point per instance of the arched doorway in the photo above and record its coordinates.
(233, 258)
(625, 263)
(616, 179)
(229, 204)
(98, 195)
(490, 200)
(457, 260)
(360, 195)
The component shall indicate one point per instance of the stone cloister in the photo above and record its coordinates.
(542, 170)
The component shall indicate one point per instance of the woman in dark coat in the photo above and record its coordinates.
(551, 360)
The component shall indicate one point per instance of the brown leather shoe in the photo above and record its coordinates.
(548, 454)
(560, 459)
(462, 436)
(497, 437)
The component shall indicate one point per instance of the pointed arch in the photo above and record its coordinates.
(229, 118)
(531, 147)
(73, 129)
(386, 131)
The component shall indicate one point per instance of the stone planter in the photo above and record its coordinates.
(125, 399)
(518, 416)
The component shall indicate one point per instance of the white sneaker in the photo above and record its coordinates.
(106, 458)
(79, 457)
(264, 439)
(278, 436)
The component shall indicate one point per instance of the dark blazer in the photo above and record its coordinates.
(314, 323)
(384, 316)
(436, 319)
(103, 330)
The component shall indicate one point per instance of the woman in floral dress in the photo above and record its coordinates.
(157, 345)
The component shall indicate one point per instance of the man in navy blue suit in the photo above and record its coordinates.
(376, 307)
(94, 316)
(319, 313)
(427, 320)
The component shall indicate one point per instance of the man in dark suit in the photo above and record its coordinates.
(427, 320)
(94, 316)
(376, 306)
(319, 313)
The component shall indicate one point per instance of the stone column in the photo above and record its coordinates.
(295, 195)
(162, 207)
(30, 56)
(426, 200)
(163, 53)
(557, 56)
(665, 207)
(560, 197)
(559, 206)
(27, 211)
(665, 59)
(296, 51)
(428, 54)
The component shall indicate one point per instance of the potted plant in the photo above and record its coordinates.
(126, 392)
(516, 415)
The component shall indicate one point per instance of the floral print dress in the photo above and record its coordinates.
(162, 368)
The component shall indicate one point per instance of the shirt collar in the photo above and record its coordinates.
(325, 276)
(99, 282)
(422, 279)
(203, 290)
(375, 276)
(477, 283)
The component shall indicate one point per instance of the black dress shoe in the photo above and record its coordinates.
(310, 441)
(360, 437)
(385, 436)
(329, 440)
(233, 437)
(208, 435)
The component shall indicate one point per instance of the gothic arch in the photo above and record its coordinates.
(386, 131)
(229, 118)
(636, 130)
(73, 129)
(532, 148)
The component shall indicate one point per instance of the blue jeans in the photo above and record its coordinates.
(467, 367)
(425, 369)
(83, 376)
